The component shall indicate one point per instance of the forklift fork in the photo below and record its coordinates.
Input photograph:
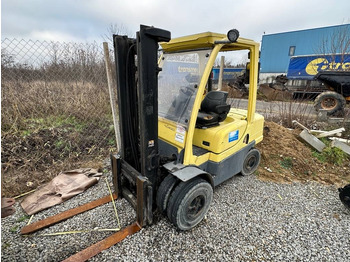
(142, 201)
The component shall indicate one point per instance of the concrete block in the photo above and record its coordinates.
(335, 120)
(322, 115)
(341, 145)
(312, 140)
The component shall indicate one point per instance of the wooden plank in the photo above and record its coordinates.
(112, 85)
(331, 133)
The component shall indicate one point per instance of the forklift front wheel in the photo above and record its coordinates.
(189, 203)
(251, 162)
(164, 191)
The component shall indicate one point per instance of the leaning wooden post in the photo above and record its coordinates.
(112, 85)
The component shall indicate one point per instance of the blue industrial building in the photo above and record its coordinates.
(277, 49)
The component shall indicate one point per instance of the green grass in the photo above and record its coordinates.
(286, 163)
(5, 245)
(23, 218)
(332, 155)
(111, 141)
(14, 229)
(68, 122)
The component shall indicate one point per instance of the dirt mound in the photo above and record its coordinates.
(268, 93)
(285, 159)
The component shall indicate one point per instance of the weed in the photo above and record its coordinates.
(14, 229)
(5, 245)
(321, 157)
(25, 133)
(286, 163)
(111, 141)
(23, 218)
(59, 144)
(335, 155)
(331, 155)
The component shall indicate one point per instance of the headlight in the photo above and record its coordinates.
(233, 35)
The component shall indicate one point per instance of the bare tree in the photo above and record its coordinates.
(335, 44)
(7, 60)
(115, 29)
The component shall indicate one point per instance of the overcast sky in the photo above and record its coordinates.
(88, 20)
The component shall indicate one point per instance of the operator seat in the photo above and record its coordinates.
(213, 109)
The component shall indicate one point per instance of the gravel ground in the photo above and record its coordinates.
(249, 220)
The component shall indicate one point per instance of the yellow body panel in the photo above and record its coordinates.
(221, 144)
(220, 138)
(255, 132)
(172, 133)
(202, 40)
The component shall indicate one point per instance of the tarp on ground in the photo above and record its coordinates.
(64, 186)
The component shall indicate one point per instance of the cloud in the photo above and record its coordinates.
(53, 36)
(87, 20)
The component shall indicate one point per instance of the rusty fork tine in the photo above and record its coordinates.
(104, 244)
(65, 215)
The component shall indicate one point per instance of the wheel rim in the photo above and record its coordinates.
(329, 103)
(195, 208)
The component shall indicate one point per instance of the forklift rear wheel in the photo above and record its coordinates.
(189, 203)
(164, 191)
(251, 162)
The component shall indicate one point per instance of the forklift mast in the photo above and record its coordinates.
(137, 163)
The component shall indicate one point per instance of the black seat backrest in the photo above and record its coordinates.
(215, 102)
(213, 109)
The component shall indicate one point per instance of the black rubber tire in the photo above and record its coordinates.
(189, 203)
(251, 162)
(330, 101)
(164, 191)
(344, 195)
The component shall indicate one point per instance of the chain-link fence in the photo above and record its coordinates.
(55, 111)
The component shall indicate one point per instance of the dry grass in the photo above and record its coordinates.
(22, 101)
(48, 127)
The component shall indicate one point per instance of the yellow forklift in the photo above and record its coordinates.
(179, 136)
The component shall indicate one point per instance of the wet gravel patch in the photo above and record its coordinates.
(249, 220)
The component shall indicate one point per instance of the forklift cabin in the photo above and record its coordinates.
(179, 136)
